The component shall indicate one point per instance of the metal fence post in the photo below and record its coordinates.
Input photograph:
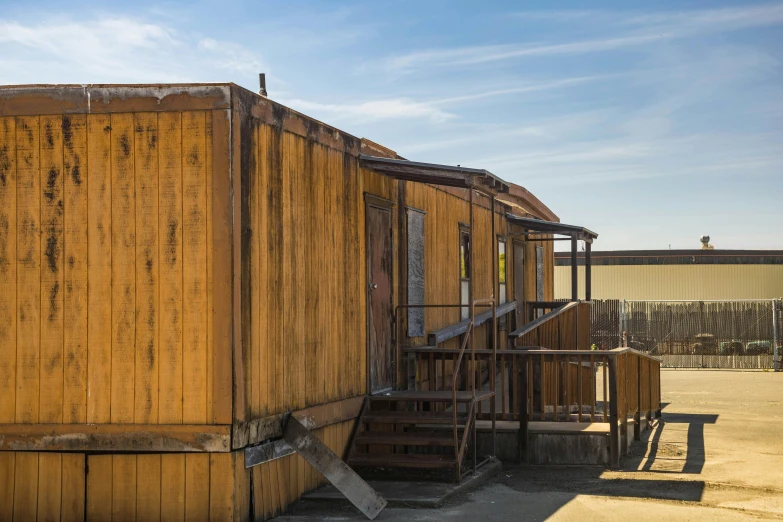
(775, 352)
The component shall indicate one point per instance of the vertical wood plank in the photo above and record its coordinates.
(259, 500)
(28, 283)
(7, 271)
(242, 484)
(75, 269)
(73, 477)
(149, 487)
(99, 488)
(51, 363)
(253, 309)
(170, 228)
(208, 252)
(123, 270)
(26, 486)
(147, 267)
(123, 505)
(99, 259)
(172, 485)
(49, 486)
(196, 486)
(221, 486)
(219, 244)
(7, 465)
(194, 310)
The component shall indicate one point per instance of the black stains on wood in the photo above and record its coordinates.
(48, 135)
(53, 303)
(125, 145)
(76, 173)
(67, 133)
(52, 252)
(5, 165)
(170, 248)
(71, 261)
(107, 128)
(150, 355)
(51, 184)
(192, 157)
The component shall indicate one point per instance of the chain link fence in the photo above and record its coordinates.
(704, 334)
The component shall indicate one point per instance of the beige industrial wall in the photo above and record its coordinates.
(643, 282)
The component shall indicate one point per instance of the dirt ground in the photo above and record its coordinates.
(717, 454)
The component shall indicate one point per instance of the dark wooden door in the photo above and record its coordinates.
(519, 283)
(380, 352)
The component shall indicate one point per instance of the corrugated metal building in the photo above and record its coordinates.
(676, 274)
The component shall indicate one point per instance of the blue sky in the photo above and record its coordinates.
(651, 123)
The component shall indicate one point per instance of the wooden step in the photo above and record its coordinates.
(431, 396)
(409, 438)
(413, 417)
(391, 460)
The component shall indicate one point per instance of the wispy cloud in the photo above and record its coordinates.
(433, 110)
(108, 49)
(628, 30)
(462, 56)
(395, 108)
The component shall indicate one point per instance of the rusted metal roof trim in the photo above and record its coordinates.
(550, 227)
(435, 174)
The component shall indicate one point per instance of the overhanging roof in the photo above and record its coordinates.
(550, 227)
(435, 174)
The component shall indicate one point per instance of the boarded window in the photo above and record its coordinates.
(464, 271)
(539, 273)
(415, 272)
(501, 271)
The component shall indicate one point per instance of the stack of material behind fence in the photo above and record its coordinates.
(703, 334)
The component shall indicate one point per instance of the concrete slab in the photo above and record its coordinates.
(414, 493)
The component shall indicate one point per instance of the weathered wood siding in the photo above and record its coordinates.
(106, 268)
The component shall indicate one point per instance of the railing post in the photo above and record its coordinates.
(614, 439)
(523, 412)
(637, 421)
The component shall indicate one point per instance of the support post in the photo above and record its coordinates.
(614, 429)
(588, 265)
(522, 434)
(472, 298)
(574, 279)
(495, 297)
(775, 351)
(637, 420)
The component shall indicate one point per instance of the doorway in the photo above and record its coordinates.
(380, 299)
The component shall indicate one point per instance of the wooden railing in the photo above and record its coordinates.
(630, 388)
(565, 326)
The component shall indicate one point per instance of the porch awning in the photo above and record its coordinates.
(435, 174)
(550, 227)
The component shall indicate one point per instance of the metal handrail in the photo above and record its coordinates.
(613, 351)
(454, 374)
(535, 323)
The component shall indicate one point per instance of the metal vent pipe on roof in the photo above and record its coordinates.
(262, 84)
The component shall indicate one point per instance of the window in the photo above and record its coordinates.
(501, 271)
(415, 272)
(464, 269)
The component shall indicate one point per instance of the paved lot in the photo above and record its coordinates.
(716, 455)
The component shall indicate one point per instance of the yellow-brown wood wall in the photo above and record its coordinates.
(304, 311)
(151, 487)
(106, 268)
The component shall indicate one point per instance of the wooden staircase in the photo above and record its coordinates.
(409, 429)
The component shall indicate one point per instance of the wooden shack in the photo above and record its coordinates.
(182, 266)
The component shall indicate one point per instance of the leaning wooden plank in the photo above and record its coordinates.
(331, 466)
